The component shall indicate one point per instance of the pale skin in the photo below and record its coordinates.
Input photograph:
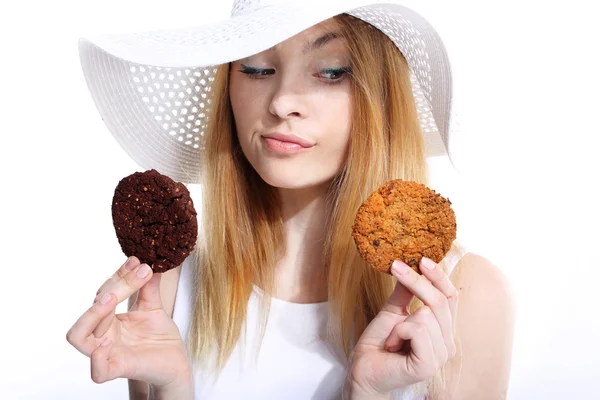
(289, 90)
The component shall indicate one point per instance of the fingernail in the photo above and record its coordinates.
(105, 299)
(129, 264)
(427, 263)
(399, 268)
(143, 271)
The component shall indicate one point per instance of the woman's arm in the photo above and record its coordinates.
(485, 327)
(139, 390)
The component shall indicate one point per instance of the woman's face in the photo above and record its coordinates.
(292, 108)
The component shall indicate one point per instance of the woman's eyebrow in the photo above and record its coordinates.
(320, 42)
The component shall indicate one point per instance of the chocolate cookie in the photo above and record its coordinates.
(155, 219)
(405, 221)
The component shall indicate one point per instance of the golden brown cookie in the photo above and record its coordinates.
(403, 220)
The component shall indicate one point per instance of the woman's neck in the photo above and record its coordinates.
(300, 275)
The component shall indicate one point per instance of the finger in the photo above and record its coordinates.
(129, 264)
(425, 316)
(442, 282)
(413, 331)
(399, 300)
(394, 343)
(125, 287)
(110, 284)
(131, 282)
(430, 295)
(104, 325)
(99, 362)
(149, 295)
(103, 367)
(80, 335)
(420, 350)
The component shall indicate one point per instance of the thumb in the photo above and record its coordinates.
(149, 295)
(399, 300)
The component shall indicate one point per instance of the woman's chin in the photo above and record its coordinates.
(291, 182)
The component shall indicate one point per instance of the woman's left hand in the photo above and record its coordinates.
(397, 349)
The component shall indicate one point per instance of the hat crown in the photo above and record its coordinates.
(241, 7)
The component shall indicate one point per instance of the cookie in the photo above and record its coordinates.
(155, 219)
(403, 220)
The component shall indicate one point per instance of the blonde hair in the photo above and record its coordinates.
(242, 230)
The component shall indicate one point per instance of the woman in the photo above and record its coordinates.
(297, 131)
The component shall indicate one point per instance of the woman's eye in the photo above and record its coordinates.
(257, 72)
(331, 75)
(334, 73)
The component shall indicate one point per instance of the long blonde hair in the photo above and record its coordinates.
(242, 230)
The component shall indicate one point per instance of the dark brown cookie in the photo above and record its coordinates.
(403, 220)
(155, 219)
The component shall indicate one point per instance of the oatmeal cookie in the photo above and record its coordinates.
(403, 220)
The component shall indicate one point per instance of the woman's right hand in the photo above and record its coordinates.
(143, 344)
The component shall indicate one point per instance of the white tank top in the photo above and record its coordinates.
(294, 362)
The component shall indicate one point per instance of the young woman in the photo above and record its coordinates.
(289, 121)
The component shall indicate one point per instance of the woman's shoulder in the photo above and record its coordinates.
(479, 280)
(479, 273)
(485, 326)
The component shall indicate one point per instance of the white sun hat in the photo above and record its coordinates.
(151, 88)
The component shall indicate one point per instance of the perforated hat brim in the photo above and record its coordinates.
(151, 88)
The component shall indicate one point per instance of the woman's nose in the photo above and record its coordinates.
(289, 99)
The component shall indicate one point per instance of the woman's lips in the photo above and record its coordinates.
(286, 144)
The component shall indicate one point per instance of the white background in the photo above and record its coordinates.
(525, 196)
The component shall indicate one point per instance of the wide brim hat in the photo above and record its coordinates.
(151, 88)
